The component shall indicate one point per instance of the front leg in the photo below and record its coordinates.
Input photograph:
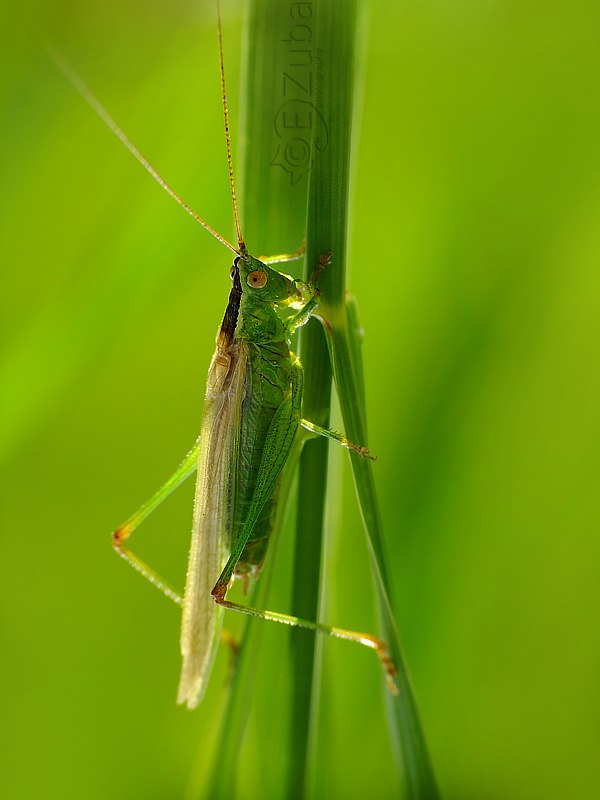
(302, 316)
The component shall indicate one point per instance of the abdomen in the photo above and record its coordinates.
(268, 385)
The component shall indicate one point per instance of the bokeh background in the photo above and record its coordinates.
(474, 243)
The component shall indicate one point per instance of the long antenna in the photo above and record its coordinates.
(97, 106)
(240, 238)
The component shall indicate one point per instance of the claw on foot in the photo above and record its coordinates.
(120, 535)
(324, 260)
(389, 667)
(360, 449)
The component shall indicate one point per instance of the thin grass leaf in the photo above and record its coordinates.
(327, 222)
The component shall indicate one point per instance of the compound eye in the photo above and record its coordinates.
(257, 279)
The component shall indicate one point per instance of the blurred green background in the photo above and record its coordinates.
(474, 254)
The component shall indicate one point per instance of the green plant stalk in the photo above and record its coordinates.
(328, 216)
(334, 26)
(405, 727)
(275, 214)
(327, 228)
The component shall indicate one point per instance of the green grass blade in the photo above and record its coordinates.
(327, 220)
(405, 726)
(278, 206)
(334, 33)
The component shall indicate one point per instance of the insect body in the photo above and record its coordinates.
(251, 415)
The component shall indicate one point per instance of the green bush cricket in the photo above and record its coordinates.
(251, 417)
